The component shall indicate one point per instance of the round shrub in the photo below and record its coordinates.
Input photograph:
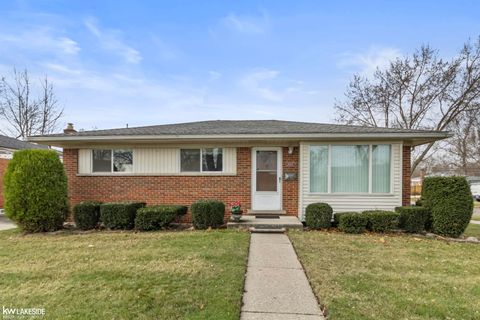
(318, 216)
(412, 218)
(36, 195)
(352, 222)
(156, 217)
(450, 201)
(86, 214)
(381, 220)
(119, 215)
(207, 213)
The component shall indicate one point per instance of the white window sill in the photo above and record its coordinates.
(352, 194)
(133, 174)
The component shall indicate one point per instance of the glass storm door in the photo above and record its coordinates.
(267, 178)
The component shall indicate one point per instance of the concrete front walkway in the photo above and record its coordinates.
(276, 286)
(6, 223)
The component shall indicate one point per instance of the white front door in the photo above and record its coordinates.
(267, 178)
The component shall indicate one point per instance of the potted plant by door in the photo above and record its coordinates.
(236, 211)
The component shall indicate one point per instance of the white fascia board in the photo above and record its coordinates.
(312, 136)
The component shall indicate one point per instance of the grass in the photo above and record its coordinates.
(473, 230)
(125, 275)
(391, 277)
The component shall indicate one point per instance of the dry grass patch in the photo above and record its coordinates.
(125, 275)
(391, 277)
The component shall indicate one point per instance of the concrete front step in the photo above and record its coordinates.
(258, 230)
(266, 212)
(283, 222)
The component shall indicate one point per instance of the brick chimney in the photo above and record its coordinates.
(69, 129)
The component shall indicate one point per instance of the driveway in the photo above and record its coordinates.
(6, 223)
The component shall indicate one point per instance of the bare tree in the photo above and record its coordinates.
(418, 92)
(463, 149)
(25, 114)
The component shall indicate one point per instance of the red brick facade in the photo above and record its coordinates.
(406, 176)
(3, 168)
(177, 189)
(188, 189)
(290, 188)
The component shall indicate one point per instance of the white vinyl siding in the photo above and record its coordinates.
(342, 202)
(153, 160)
(158, 161)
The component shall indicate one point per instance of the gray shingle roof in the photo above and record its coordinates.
(239, 127)
(15, 144)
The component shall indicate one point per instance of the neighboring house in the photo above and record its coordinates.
(268, 165)
(7, 147)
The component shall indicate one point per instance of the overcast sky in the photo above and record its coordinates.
(155, 62)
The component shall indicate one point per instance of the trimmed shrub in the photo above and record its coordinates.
(156, 217)
(450, 201)
(36, 190)
(336, 218)
(352, 222)
(318, 216)
(119, 215)
(381, 220)
(180, 210)
(207, 213)
(412, 218)
(86, 214)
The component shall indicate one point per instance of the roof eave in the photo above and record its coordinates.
(416, 138)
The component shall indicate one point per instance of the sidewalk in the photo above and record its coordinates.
(276, 286)
(6, 223)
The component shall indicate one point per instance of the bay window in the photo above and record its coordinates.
(350, 168)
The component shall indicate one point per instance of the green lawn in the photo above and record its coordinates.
(115, 275)
(391, 277)
(473, 230)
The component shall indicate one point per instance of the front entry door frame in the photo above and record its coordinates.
(267, 200)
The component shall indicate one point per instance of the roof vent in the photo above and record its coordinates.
(69, 129)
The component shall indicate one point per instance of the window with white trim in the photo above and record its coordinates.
(201, 160)
(112, 160)
(350, 168)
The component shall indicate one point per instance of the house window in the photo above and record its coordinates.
(201, 160)
(350, 168)
(319, 169)
(381, 168)
(106, 160)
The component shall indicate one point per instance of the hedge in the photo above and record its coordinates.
(352, 222)
(412, 218)
(450, 201)
(318, 216)
(336, 218)
(35, 192)
(207, 213)
(119, 215)
(86, 214)
(381, 220)
(156, 217)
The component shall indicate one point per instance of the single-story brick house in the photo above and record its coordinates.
(8, 146)
(268, 165)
